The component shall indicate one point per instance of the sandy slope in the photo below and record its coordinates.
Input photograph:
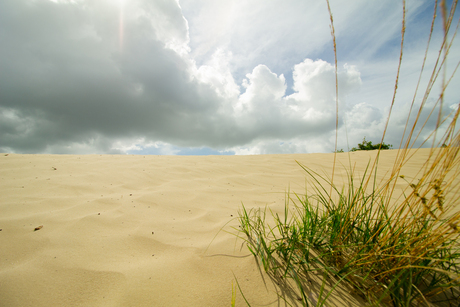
(134, 230)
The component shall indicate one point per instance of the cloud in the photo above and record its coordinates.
(309, 112)
(96, 77)
(216, 72)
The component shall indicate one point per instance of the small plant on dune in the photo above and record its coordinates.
(367, 145)
(384, 248)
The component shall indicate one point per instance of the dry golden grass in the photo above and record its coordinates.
(387, 249)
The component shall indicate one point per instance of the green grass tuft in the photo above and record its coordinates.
(363, 237)
(402, 255)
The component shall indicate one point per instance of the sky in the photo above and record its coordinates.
(207, 77)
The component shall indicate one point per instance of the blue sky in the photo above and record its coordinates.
(192, 77)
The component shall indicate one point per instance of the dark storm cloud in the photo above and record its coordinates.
(63, 79)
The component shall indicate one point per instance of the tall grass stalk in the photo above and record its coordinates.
(384, 247)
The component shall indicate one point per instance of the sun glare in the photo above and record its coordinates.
(120, 26)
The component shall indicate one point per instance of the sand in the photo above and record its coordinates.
(143, 230)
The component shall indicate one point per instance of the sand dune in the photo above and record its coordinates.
(138, 230)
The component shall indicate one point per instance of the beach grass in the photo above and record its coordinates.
(385, 252)
(383, 244)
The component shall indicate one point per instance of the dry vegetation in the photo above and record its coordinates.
(403, 253)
